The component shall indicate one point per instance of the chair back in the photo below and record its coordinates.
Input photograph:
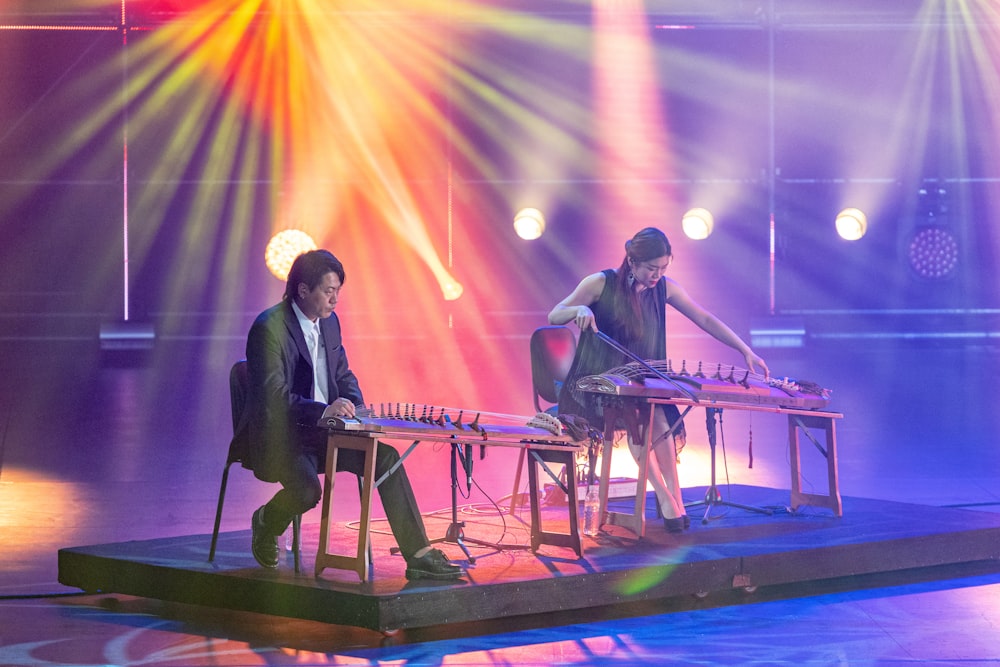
(239, 382)
(552, 352)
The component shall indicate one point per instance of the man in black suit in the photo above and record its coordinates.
(297, 367)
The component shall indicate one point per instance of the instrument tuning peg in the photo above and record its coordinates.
(475, 423)
(458, 422)
(746, 380)
(684, 370)
(699, 373)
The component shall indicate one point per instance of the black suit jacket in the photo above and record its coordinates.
(281, 415)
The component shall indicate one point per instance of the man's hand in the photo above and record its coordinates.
(341, 407)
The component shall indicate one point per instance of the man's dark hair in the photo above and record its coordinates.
(309, 268)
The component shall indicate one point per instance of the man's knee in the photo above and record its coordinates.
(306, 496)
(386, 457)
(386, 453)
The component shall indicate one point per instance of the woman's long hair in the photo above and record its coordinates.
(648, 244)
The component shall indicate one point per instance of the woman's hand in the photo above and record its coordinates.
(584, 318)
(753, 360)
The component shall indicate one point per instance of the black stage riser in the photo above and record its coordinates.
(737, 551)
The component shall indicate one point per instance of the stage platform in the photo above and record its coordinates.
(736, 549)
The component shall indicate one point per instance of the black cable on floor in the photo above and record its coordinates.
(43, 596)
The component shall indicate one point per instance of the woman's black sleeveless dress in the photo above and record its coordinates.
(594, 356)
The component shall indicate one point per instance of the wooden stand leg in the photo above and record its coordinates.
(832, 500)
(604, 480)
(538, 535)
(514, 499)
(359, 562)
(635, 522)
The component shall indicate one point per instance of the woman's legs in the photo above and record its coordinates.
(662, 467)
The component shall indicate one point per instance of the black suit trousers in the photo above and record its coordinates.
(301, 489)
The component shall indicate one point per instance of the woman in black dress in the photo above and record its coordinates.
(629, 305)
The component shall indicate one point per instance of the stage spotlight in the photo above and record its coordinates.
(852, 224)
(933, 205)
(283, 248)
(932, 249)
(452, 290)
(698, 224)
(933, 253)
(529, 223)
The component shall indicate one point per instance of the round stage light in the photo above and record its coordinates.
(852, 224)
(452, 290)
(698, 224)
(283, 248)
(933, 253)
(529, 223)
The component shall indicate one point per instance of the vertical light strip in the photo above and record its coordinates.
(770, 287)
(771, 158)
(125, 267)
(125, 227)
(451, 186)
(451, 232)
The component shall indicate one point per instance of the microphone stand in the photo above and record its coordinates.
(456, 530)
(712, 496)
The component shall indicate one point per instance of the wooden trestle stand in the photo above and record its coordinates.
(632, 412)
(364, 434)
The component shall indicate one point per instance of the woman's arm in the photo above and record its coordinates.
(678, 297)
(576, 306)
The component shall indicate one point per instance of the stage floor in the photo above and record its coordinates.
(734, 550)
(136, 453)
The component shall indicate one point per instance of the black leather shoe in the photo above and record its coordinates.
(265, 547)
(677, 525)
(432, 565)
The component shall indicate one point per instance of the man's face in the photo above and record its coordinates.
(322, 299)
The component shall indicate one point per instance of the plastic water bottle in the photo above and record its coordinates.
(591, 511)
